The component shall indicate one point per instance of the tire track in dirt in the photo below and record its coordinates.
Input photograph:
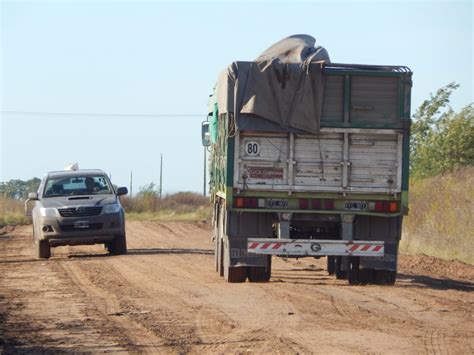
(139, 339)
(164, 296)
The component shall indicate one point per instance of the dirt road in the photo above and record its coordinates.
(164, 296)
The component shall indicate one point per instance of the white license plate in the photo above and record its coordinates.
(81, 224)
(276, 203)
(355, 205)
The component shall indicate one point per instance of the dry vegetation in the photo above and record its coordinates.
(12, 213)
(440, 222)
(181, 206)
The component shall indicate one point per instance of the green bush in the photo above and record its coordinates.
(441, 139)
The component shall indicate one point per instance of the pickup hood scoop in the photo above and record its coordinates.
(69, 201)
(79, 198)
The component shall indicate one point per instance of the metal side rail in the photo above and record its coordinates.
(311, 247)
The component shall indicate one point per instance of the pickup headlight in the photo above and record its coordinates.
(113, 208)
(48, 212)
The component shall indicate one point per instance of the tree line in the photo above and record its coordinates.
(18, 189)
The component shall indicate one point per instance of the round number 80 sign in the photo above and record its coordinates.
(252, 148)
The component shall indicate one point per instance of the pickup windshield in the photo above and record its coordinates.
(77, 185)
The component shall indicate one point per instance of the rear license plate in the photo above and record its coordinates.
(81, 224)
(355, 205)
(276, 203)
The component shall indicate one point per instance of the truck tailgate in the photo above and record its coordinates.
(336, 160)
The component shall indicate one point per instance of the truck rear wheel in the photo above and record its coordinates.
(354, 274)
(220, 257)
(385, 277)
(216, 253)
(331, 265)
(340, 274)
(260, 273)
(43, 250)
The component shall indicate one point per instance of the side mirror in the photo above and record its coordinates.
(33, 196)
(122, 191)
(205, 135)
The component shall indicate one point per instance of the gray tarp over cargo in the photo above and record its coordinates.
(284, 86)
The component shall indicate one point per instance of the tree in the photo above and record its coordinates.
(18, 189)
(441, 139)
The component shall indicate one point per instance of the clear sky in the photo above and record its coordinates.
(113, 84)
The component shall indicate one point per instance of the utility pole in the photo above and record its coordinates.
(131, 183)
(205, 167)
(161, 176)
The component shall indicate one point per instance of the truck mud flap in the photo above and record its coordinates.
(309, 247)
(239, 255)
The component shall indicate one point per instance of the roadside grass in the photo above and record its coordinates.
(440, 221)
(178, 207)
(12, 213)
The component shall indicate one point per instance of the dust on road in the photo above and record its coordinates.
(164, 296)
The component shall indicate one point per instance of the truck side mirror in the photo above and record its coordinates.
(205, 135)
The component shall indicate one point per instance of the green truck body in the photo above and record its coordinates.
(341, 192)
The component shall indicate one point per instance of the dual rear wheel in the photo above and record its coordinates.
(357, 276)
(236, 274)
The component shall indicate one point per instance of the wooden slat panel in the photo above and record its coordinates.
(373, 160)
(318, 163)
(333, 102)
(374, 99)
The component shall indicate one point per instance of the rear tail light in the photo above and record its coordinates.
(393, 207)
(383, 206)
(246, 202)
(304, 203)
(316, 204)
(239, 202)
(379, 206)
(328, 204)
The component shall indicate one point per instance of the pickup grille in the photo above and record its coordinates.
(80, 211)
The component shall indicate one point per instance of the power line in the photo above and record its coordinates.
(88, 114)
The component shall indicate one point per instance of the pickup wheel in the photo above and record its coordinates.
(331, 265)
(43, 250)
(232, 274)
(260, 273)
(118, 245)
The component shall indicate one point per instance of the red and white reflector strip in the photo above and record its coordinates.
(302, 247)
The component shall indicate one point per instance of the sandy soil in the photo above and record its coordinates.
(164, 297)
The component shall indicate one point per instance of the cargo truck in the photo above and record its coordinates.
(308, 158)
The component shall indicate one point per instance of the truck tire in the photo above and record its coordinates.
(260, 273)
(331, 265)
(118, 246)
(220, 257)
(354, 274)
(43, 250)
(216, 253)
(232, 274)
(340, 274)
(385, 277)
